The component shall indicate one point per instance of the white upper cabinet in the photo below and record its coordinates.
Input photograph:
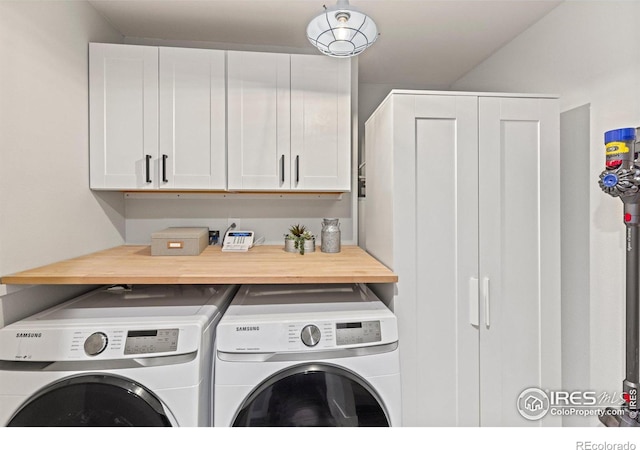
(258, 121)
(289, 122)
(124, 116)
(320, 123)
(157, 118)
(192, 119)
(201, 119)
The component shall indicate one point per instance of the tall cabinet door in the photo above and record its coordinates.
(258, 121)
(192, 119)
(446, 261)
(320, 123)
(519, 255)
(123, 93)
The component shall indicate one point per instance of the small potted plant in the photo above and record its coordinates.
(300, 240)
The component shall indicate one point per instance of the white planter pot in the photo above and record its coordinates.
(309, 245)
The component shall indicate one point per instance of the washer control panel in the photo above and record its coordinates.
(349, 333)
(151, 341)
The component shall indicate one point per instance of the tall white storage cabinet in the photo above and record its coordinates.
(463, 204)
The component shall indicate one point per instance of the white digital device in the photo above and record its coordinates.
(237, 241)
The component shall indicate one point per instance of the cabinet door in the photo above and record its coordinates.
(192, 119)
(519, 255)
(445, 130)
(123, 91)
(320, 123)
(258, 121)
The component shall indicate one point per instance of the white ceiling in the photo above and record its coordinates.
(421, 43)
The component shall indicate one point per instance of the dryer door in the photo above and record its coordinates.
(93, 401)
(313, 395)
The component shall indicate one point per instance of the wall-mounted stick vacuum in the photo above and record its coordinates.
(621, 178)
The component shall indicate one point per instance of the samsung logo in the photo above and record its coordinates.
(248, 328)
(28, 335)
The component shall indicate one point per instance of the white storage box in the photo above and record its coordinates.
(179, 241)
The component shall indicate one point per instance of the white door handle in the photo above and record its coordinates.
(474, 302)
(486, 292)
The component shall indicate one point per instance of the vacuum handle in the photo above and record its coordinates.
(486, 292)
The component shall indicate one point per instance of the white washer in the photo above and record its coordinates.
(114, 356)
(307, 355)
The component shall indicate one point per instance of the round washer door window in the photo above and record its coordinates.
(92, 401)
(313, 395)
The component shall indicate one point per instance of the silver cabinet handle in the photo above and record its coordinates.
(487, 301)
(474, 302)
(282, 169)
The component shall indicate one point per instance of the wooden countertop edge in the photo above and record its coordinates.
(195, 280)
(57, 274)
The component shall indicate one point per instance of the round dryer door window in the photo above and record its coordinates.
(92, 401)
(313, 395)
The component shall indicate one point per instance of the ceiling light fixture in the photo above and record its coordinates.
(342, 31)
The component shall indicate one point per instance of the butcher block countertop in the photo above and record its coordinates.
(266, 264)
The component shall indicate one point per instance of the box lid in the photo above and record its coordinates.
(180, 232)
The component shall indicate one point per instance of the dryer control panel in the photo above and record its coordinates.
(256, 337)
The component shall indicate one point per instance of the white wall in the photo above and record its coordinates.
(269, 218)
(574, 206)
(588, 53)
(47, 212)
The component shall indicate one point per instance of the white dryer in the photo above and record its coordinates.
(115, 356)
(307, 355)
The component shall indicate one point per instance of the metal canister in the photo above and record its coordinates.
(330, 236)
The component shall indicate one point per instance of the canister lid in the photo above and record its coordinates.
(619, 135)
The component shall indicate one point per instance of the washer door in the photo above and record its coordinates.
(313, 395)
(93, 401)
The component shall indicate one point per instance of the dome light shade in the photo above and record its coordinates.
(341, 31)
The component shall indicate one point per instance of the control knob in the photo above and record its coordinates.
(310, 335)
(95, 344)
